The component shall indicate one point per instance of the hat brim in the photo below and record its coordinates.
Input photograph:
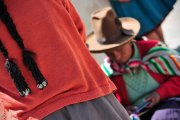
(127, 23)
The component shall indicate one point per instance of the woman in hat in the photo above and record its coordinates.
(146, 73)
(150, 14)
(46, 70)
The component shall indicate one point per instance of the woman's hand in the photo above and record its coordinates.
(130, 109)
(154, 98)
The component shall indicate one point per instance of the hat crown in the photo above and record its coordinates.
(107, 27)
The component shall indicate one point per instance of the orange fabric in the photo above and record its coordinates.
(53, 30)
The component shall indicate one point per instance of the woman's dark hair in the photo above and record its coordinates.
(28, 58)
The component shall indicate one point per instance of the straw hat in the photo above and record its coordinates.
(110, 31)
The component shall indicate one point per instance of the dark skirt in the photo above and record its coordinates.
(103, 108)
(150, 13)
(166, 110)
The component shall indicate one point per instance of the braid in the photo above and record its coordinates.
(10, 25)
(28, 59)
(15, 73)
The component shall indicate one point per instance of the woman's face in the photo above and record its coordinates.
(121, 54)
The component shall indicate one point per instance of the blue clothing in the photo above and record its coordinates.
(150, 13)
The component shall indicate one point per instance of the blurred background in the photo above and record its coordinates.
(170, 26)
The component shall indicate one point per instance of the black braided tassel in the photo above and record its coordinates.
(27, 55)
(15, 73)
(17, 77)
(32, 66)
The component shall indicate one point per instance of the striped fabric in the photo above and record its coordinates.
(158, 59)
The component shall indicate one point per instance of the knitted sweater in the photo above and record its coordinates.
(54, 32)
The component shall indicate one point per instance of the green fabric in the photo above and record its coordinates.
(107, 69)
(138, 82)
(136, 54)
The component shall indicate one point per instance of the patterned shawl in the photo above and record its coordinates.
(158, 59)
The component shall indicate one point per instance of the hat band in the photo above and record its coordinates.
(110, 40)
(115, 38)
